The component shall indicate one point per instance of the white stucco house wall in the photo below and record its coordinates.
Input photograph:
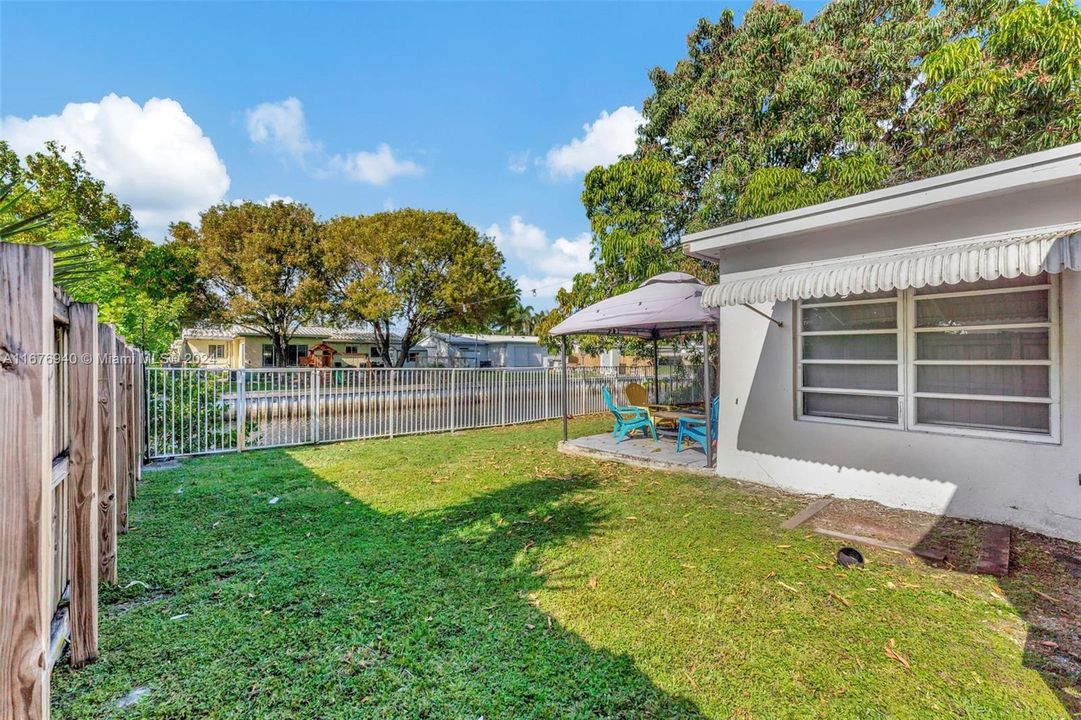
(924, 349)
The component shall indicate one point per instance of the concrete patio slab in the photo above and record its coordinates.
(640, 452)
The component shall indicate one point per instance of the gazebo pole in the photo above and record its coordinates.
(563, 395)
(656, 386)
(706, 391)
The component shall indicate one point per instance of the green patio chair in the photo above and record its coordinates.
(628, 419)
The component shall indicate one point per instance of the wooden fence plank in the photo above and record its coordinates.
(133, 445)
(83, 482)
(123, 447)
(137, 414)
(107, 462)
(26, 415)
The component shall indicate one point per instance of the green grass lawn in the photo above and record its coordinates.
(483, 574)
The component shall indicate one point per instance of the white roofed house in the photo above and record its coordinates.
(236, 346)
(481, 350)
(922, 345)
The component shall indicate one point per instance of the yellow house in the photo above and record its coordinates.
(233, 346)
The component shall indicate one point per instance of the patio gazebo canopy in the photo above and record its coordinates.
(665, 306)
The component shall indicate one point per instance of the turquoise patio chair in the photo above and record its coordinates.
(694, 429)
(628, 419)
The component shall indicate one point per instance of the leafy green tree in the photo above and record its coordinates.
(144, 289)
(777, 113)
(416, 270)
(264, 262)
(1013, 87)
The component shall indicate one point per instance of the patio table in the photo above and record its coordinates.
(670, 418)
(675, 415)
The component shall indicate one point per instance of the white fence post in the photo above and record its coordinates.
(241, 411)
(547, 396)
(453, 399)
(393, 398)
(315, 405)
(503, 397)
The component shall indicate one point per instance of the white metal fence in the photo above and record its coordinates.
(193, 411)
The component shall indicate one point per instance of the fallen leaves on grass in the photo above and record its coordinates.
(1045, 596)
(839, 599)
(893, 654)
(787, 587)
(593, 582)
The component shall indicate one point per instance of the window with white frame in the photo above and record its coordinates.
(216, 352)
(971, 358)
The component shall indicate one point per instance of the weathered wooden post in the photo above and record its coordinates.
(133, 425)
(140, 414)
(107, 458)
(26, 414)
(83, 469)
(123, 437)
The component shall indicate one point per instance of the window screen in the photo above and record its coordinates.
(849, 367)
(982, 356)
(976, 356)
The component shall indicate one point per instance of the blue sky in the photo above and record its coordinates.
(350, 108)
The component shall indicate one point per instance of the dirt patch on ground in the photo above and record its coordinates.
(957, 540)
(1043, 584)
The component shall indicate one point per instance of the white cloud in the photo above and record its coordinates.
(281, 127)
(154, 157)
(375, 168)
(540, 292)
(605, 140)
(558, 260)
(518, 163)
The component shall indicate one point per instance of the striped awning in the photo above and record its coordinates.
(988, 257)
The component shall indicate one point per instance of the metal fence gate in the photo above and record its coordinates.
(193, 411)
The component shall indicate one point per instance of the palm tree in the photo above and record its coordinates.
(75, 261)
(522, 320)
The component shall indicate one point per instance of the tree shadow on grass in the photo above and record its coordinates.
(1042, 585)
(319, 606)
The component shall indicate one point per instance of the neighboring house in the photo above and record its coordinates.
(234, 346)
(925, 349)
(451, 350)
(615, 361)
